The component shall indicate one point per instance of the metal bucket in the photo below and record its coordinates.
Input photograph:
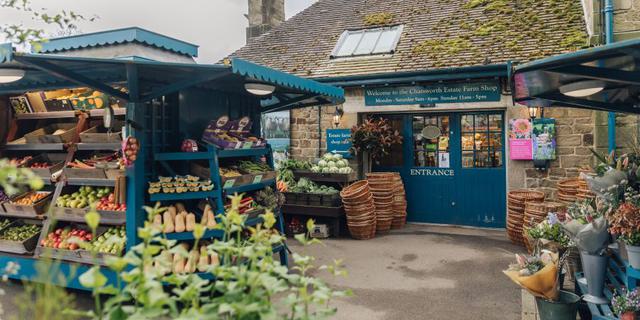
(566, 308)
(633, 254)
(595, 268)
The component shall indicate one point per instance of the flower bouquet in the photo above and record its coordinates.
(538, 274)
(626, 304)
(549, 235)
(587, 228)
(625, 223)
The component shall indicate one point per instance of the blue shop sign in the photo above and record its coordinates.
(339, 141)
(436, 93)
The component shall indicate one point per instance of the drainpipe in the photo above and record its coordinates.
(608, 26)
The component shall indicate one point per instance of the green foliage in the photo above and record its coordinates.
(249, 283)
(64, 20)
(14, 180)
(375, 136)
(377, 19)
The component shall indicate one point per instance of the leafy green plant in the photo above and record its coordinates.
(375, 138)
(249, 283)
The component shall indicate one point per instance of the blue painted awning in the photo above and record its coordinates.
(616, 66)
(119, 36)
(151, 79)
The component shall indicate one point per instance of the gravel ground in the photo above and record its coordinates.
(420, 272)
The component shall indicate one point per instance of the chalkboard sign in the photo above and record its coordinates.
(339, 141)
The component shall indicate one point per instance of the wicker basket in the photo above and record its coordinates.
(516, 203)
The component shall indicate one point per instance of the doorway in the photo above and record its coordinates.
(452, 165)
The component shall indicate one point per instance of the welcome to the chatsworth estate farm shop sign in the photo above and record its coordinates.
(436, 93)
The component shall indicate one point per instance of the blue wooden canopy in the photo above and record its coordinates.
(146, 80)
(616, 67)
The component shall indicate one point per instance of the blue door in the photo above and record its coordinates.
(452, 165)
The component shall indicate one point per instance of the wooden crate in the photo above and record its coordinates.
(45, 134)
(77, 173)
(98, 134)
(77, 215)
(30, 211)
(20, 247)
(56, 160)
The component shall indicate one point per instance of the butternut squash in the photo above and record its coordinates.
(215, 260)
(178, 264)
(203, 220)
(180, 223)
(191, 222)
(157, 221)
(192, 262)
(180, 207)
(211, 220)
(203, 262)
(172, 210)
(168, 222)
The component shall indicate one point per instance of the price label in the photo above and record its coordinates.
(229, 183)
(238, 145)
(257, 179)
(247, 145)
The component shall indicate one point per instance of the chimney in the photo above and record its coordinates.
(263, 16)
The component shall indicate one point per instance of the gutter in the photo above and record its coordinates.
(413, 77)
(611, 116)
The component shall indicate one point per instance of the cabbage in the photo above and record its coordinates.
(348, 170)
(327, 156)
(315, 169)
(333, 170)
(337, 156)
(322, 163)
(340, 164)
(324, 170)
(331, 164)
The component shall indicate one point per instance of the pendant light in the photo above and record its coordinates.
(582, 88)
(259, 89)
(11, 75)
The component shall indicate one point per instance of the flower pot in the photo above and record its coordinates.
(629, 315)
(633, 254)
(566, 308)
(595, 268)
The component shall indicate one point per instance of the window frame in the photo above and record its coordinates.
(438, 117)
(380, 30)
(488, 132)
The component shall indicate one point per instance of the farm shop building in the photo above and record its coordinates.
(442, 65)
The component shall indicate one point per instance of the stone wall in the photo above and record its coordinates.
(574, 138)
(626, 15)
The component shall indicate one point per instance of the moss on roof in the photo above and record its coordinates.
(436, 33)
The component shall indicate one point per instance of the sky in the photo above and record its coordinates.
(217, 26)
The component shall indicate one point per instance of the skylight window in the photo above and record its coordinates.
(367, 42)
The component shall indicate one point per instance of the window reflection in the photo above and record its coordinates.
(431, 141)
(481, 140)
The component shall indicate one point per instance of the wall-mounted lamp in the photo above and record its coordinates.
(259, 89)
(11, 75)
(535, 112)
(337, 116)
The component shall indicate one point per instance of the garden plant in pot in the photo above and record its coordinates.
(587, 229)
(626, 304)
(374, 138)
(539, 275)
(625, 223)
(549, 235)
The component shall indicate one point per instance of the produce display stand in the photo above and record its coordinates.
(162, 104)
(334, 213)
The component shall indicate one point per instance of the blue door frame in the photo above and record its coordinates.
(455, 195)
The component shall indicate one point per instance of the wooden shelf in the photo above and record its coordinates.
(100, 146)
(66, 114)
(316, 211)
(325, 177)
(236, 153)
(182, 196)
(209, 234)
(34, 146)
(182, 156)
(90, 182)
(250, 187)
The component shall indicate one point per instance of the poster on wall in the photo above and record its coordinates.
(544, 139)
(520, 144)
(276, 129)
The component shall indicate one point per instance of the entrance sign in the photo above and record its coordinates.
(339, 141)
(432, 172)
(435, 93)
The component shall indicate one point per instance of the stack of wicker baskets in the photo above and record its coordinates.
(584, 192)
(568, 190)
(360, 210)
(536, 212)
(382, 186)
(517, 199)
(399, 203)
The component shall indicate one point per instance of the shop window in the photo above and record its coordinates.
(395, 157)
(481, 140)
(431, 141)
(367, 42)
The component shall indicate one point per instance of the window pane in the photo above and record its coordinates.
(482, 123)
(495, 122)
(482, 159)
(467, 159)
(431, 159)
(368, 42)
(419, 159)
(387, 40)
(482, 141)
(467, 142)
(349, 44)
(496, 159)
(496, 141)
(467, 123)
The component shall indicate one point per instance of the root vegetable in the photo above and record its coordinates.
(168, 222)
(191, 222)
(211, 220)
(215, 260)
(180, 207)
(180, 223)
(178, 264)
